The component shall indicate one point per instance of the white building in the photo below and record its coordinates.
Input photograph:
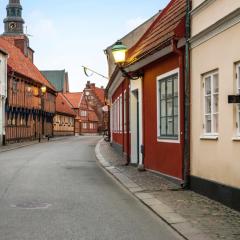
(3, 93)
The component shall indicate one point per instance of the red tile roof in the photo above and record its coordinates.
(21, 64)
(74, 98)
(63, 106)
(92, 116)
(170, 23)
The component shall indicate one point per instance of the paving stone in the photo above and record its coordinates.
(213, 219)
(144, 195)
(173, 217)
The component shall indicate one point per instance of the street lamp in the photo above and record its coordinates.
(119, 51)
(43, 92)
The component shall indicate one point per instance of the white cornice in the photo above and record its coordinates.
(216, 28)
(201, 6)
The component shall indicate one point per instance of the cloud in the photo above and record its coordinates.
(134, 22)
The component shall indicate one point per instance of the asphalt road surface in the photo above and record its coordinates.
(57, 191)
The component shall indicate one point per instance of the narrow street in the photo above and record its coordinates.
(58, 191)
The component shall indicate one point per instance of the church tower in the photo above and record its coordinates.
(13, 23)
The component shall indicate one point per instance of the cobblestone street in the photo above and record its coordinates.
(213, 219)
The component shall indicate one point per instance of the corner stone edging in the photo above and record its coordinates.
(167, 214)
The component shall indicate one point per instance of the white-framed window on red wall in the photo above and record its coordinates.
(211, 103)
(168, 106)
(238, 105)
(117, 115)
(84, 125)
(125, 111)
(120, 114)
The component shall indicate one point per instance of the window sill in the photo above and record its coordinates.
(213, 137)
(236, 139)
(168, 140)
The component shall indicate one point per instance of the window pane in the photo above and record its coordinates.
(170, 107)
(215, 123)
(238, 80)
(176, 106)
(215, 103)
(215, 83)
(175, 86)
(163, 126)
(163, 108)
(208, 124)
(170, 126)
(163, 90)
(208, 85)
(208, 104)
(169, 88)
(175, 126)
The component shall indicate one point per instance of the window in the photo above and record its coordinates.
(14, 86)
(238, 105)
(83, 113)
(91, 126)
(84, 125)
(120, 114)
(125, 111)
(168, 108)
(211, 103)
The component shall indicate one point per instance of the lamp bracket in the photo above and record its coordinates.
(131, 75)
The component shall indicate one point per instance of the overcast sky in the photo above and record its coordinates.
(67, 34)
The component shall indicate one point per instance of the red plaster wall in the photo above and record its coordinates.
(122, 138)
(166, 158)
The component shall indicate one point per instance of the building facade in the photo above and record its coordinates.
(215, 71)
(151, 107)
(3, 93)
(118, 94)
(30, 104)
(64, 119)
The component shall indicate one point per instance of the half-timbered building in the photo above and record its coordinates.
(30, 104)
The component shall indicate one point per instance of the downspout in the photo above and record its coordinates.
(186, 65)
(186, 169)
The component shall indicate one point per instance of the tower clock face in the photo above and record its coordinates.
(12, 25)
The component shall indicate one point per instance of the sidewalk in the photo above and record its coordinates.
(194, 216)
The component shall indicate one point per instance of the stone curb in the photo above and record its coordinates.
(174, 220)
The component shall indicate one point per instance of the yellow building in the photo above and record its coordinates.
(63, 122)
(215, 122)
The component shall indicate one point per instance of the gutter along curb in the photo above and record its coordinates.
(167, 214)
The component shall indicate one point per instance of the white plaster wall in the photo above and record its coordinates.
(3, 91)
(212, 13)
(216, 160)
(136, 85)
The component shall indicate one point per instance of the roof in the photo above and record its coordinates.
(63, 106)
(100, 92)
(92, 116)
(21, 64)
(169, 24)
(74, 98)
(56, 77)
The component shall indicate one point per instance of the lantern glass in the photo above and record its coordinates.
(119, 52)
(44, 89)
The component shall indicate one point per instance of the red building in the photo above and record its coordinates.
(88, 106)
(147, 114)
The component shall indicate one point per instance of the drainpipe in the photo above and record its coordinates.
(186, 169)
(186, 74)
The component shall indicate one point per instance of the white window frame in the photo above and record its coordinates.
(238, 105)
(120, 114)
(213, 132)
(125, 111)
(159, 78)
